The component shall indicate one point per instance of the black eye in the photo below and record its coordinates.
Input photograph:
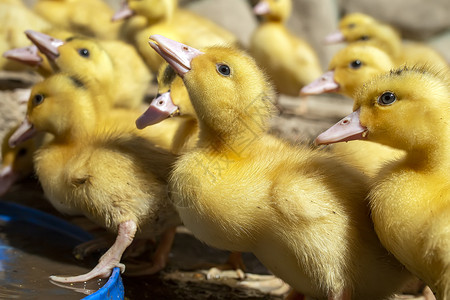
(224, 70)
(387, 98)
(356, 64)
(22, 152)
(83, 52)
(38, 99)
(364, 38)
(351, 25)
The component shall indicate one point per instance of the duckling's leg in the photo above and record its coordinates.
(110, 259)
(159, 259)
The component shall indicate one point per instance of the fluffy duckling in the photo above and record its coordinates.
(164, 17)
(15, 18)
(359, 27)
(115, 67)
(349, 69)
(301, 212)
(410, 199)
(87, 17)
(290, 62)
(102, 168)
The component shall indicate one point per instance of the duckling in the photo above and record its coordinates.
(291, 62)
(410, 199)
(115, 67)
(164, 17)
(100, 167)
(349, 69)
(358, 27)
(300, 211)
(15, 18)
(87, 17)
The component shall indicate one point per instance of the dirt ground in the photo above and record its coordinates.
(183, 278)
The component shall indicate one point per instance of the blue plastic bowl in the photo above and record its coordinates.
(113, 289)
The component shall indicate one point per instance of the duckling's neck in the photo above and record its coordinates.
(432, 158)
(236, 141)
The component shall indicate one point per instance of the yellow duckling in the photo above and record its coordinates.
(115, 67)
(359, 27)
(103, 168)
(301, 212)
(410, 199)
(15, 18)
(290, 62)
(349, 69)
(87, 17)
(164, 17)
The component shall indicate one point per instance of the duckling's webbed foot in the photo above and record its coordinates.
(110, 259)
(234, 262)
(159, 258)
(268, 284)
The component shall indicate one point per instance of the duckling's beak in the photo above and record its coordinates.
(262, 8)
(124, 12)
(27, 55)
(160, 108)
(347, 129)
(46, 44)
(178, 55)
(334, 38)
(323, 84)
(24, 132)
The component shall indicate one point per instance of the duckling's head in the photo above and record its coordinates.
(226, 88)
(354, 20)
(350, 28)
(406, 108)
(172, 99)
(60, 105)
(274, 10)
(77, 55)
(84, 56)
(349, 69)
(153, 10)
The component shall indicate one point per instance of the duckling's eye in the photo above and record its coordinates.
(38, 99)
(224, 70)
(356, 64)
(83, 52)
(364, 38)
(387, 98)
(351, 25)
(22, 152)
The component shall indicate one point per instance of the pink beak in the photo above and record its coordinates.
(178, 55)
(27, 55)
(46, 44)
(160, 109)
(323, 84)
(334, 38)
(347, 129)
